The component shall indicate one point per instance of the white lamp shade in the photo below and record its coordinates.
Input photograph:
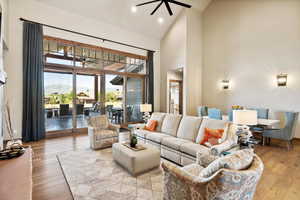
(245, 117)
(146, 107)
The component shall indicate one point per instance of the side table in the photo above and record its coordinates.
(138, 126)
(124, 136)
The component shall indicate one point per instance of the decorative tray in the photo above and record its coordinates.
(138, 147)
(11, 153)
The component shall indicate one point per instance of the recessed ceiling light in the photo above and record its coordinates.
(160, 20)
(133, 9)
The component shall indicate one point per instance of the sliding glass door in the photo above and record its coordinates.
(114, 98)
(83, 80)
(58, 91)
(134, 98)
(85, 99)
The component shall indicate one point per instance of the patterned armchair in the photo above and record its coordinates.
(101, 132)
(224, 184)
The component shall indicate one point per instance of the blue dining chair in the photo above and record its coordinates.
(230, 114)
(287, 131)
(262, 113)
(214, 113)
(202, 111)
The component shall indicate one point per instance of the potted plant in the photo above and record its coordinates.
(133, 141)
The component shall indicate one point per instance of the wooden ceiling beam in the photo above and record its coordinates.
(94, 47)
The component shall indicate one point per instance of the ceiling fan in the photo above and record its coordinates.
(166, 2)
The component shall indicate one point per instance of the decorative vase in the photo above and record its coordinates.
(133, 141)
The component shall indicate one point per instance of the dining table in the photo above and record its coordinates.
(260, 121)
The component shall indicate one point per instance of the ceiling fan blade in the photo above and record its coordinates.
(141, 4)
(156, 8)
(179, 3)
(168, 7)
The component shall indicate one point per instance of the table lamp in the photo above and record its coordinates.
(243, 119)
(146, 109)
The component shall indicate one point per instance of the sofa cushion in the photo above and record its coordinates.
(151, 125)
(212, 124)
(170, 124)
(159, 117)
(173, 142)
(142, 133)
(105, 133)
(191, 148)
(212, 136)
(189, 127)
(156, 137)
(100, 121)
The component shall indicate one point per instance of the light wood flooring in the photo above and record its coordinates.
(280, 180)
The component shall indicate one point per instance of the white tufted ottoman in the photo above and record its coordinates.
(136, 161)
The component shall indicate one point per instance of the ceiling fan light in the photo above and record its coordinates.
(160, 20)
(133, 9)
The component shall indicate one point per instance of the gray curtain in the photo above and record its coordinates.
(33, 127)
(150, 98)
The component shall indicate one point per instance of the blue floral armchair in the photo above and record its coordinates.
(225, 184)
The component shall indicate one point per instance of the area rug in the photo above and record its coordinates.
(93, 175)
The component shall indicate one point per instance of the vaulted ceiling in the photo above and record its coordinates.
(118, 13)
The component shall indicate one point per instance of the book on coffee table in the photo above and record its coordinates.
(137, 147)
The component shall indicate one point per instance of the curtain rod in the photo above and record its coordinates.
(87, 35)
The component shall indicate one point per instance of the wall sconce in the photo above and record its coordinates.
(282, 80)
(3, 77)
(225, 84)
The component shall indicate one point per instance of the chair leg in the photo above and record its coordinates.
(264, 141)
(289, 145)
(269, 141)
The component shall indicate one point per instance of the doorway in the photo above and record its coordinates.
(175, 96)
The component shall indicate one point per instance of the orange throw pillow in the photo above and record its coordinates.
(151, 125)
(212, 135)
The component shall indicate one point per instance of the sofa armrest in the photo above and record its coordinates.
(114, 127)
(216, 150)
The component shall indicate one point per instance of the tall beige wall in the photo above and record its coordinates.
(193, 71)
(172, 54)
(249, 43)
(181, 47)
(3, 39)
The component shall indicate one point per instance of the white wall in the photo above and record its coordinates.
(181, 47)
(249, 43)
(4, 11)
(33, 10)
(173, 54)
(192, 85)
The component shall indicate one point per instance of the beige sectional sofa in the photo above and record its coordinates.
(178, 137)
